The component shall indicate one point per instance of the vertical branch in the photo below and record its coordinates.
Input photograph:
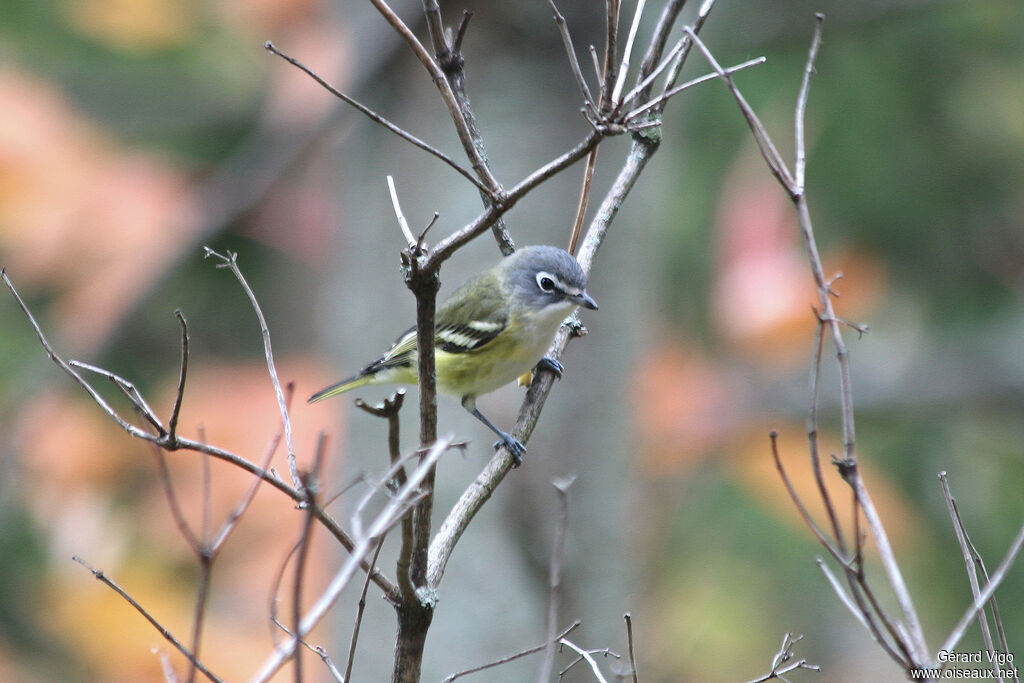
(310, 485)
(389, 411)
(230, 261)
(986, 593)
(608, 71)
(453, 66)
(629, 641)
(415, 611)
(972, 573)
(555, 578)
(360, 608)
(172, 425)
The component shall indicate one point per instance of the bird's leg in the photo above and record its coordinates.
(514, 445)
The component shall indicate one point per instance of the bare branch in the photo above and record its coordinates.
(801, 508)
(402, 223)
(574, 64)
(310, 488)
(360, 608)
(629, 641)
(489, 182)
(510, 658)
(172, 425)
(581, 207)
(66, 367)
(588, 657)
(781, 662)
(800, 166)
(986, 593)
(764, 142)
(446, 247)
(668, 94)
(229, 260)
(393, 511)
(972, 573)
(627, 53)
(608, 72)
(167, 635)
(555, 577)
(130, 391)
(375, 117)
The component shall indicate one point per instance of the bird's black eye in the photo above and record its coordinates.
(545, 282)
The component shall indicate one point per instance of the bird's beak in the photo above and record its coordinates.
(585, 300)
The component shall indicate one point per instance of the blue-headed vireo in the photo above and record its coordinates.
(491, 330)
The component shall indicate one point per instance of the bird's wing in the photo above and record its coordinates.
(462, 324)
(468, 323)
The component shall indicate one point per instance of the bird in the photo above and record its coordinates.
(494, 328)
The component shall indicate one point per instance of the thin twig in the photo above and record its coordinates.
(666, 21)
(199, 611)
(646, 81)
(375, 117)
(231, 521)
(586, 656)
(668, 94)
(627, 53)
(130, 391)
(801, 508)
(360, 608)
(581, 207)
(447, 246)
(812, 440)
(608, 72)
(229, 260)
(986, 593)
(390, 590)
(194, 541)
(172, 424)
(310, 487)
(66, 367)
(972, 573)
(629, 643)
(490, 184)
(402, 222)
(843, 596)
(167, 635)
(781, 661)
(574, 64)
(799, 113)
(509, 658)
(397, 506)
(764, 142)
(389, 411)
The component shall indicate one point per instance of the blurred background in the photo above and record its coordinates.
(134, 133)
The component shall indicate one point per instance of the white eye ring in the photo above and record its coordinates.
(545, 282)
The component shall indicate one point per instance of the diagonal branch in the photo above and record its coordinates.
(374, 116)
(490, 183)
(167, 635)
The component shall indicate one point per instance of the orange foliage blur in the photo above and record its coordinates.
(96, 492)
(763, 294)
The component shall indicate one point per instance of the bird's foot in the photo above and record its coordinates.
(548, 363)
(515, 448)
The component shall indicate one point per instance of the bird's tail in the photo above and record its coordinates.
(341, 387)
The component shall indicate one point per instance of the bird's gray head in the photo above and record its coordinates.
(541, 276)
